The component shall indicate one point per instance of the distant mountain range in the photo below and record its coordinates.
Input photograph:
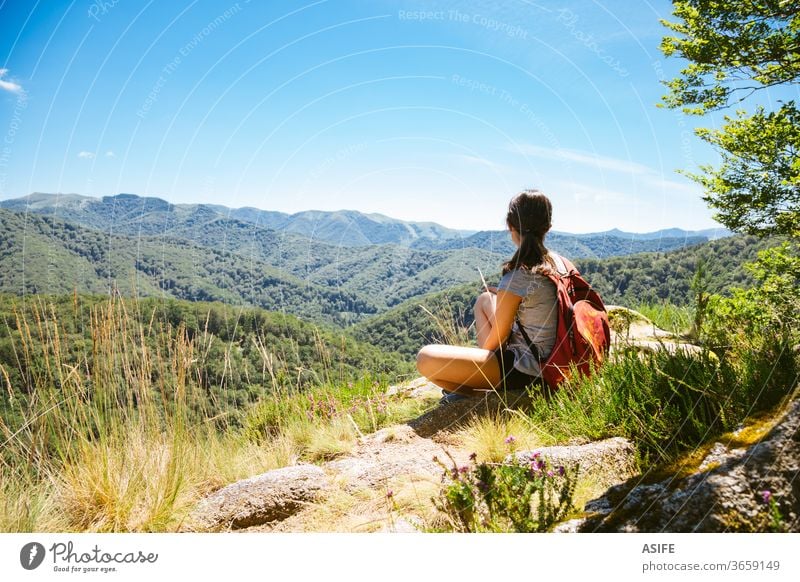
(132, 214)
(331, 270)
(708, 233)
(344, 227)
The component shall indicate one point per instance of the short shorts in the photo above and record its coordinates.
(513, 379)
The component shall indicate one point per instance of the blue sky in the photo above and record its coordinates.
(429, 111)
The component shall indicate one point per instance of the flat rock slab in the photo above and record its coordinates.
(390, 453)
(673, 347)
(641, 334)
(420, 388)
(269, 497)
(609, 462)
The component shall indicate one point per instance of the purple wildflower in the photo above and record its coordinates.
(561, 470)
(463, 469)
(510, 439)
(389, 494)
(766, 495)
(549, 473)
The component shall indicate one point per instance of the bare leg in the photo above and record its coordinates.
(485, 307)
(457, 368)
(458, 388)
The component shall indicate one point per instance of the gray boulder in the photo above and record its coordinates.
(630, 330)
(609, 462)
(270, 497)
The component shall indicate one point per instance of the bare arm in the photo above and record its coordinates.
(504, 315)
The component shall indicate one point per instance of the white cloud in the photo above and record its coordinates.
(86, 155)
(8, 85)
(584, 193)
(646, 177)
(648, 185)
(110, 154)
(583, 158)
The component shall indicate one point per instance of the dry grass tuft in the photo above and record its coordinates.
(486, 436)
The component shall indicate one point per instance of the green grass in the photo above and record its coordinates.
(348, 410)
(669, 404)
(673, 318)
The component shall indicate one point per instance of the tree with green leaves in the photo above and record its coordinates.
(735, 49)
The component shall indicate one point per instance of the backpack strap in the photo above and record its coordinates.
(563, 269)
(563, 266)
(531, 346)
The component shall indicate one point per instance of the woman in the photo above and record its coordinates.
(503, 358)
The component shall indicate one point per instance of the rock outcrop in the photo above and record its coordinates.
(394, 458)
(454, 414)
(383, 456)
(749, 489)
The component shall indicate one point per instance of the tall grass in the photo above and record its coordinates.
(89, 431)
(668, 404)
(124, 433)
(448, 322)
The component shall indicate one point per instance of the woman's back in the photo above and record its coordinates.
(538, 314)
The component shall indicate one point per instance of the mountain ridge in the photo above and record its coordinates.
(347, 227)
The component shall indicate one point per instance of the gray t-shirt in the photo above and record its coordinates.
(538, 314)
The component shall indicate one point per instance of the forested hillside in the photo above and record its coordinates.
(324, 283)
(629, 281)
(128, 212)
(443, 317)
(656, 277)
(372, 278)
(43, 255)
(137, 215)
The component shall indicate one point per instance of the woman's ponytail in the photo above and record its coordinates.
(529, 213)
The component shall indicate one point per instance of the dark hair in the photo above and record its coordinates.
(529, 213)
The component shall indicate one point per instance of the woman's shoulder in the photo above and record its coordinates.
(522, 280)
(554, 261)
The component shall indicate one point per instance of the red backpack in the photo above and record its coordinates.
(583, 336)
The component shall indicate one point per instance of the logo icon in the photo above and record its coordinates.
(31, 556)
